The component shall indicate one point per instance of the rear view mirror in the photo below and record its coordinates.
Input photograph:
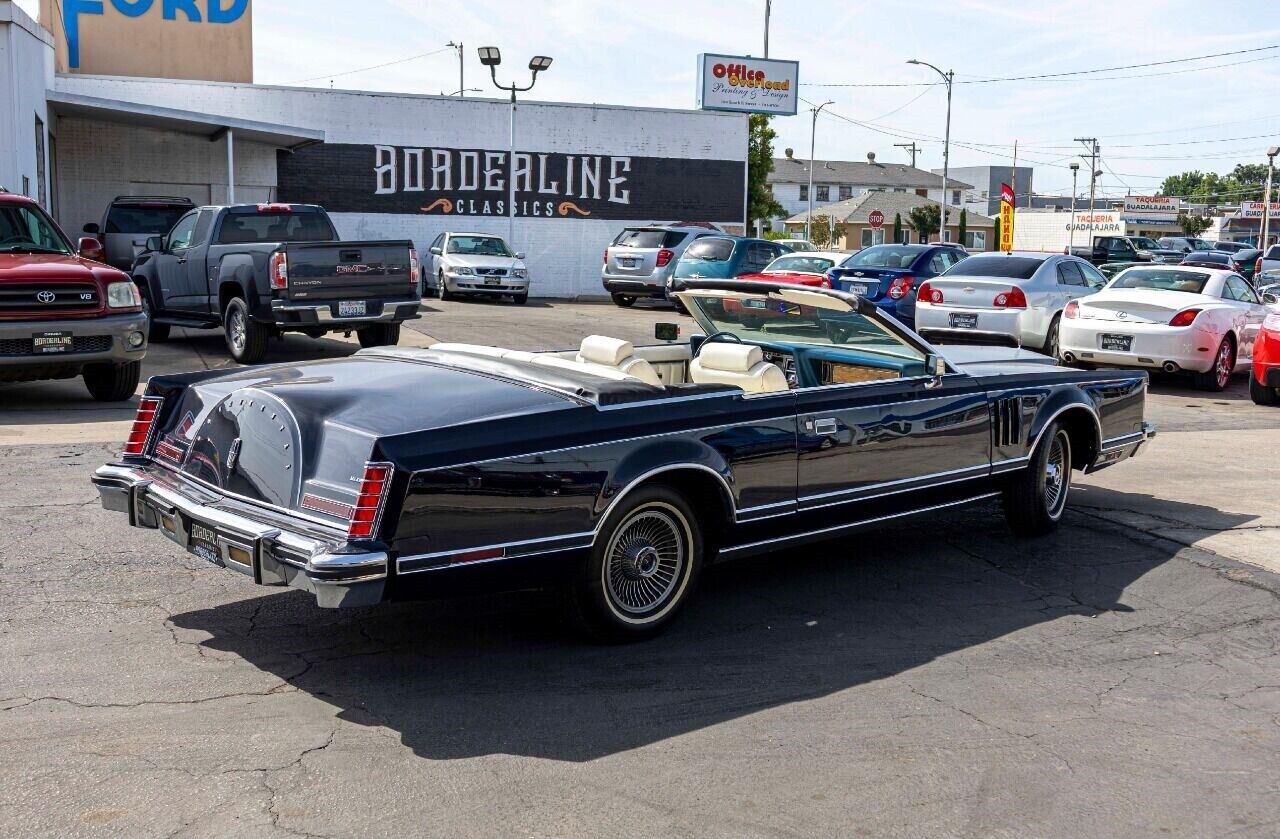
(92, 228)
(155, 244)
(1270, 299)
(666, 331)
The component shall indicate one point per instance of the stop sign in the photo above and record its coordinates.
(877, 219)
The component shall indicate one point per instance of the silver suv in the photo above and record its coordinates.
(640, 259)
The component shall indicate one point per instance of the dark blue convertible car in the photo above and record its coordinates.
(614, 472)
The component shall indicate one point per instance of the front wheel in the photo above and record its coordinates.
(1036, 497)
(379, 335)
(246, 338)
(445, 294)
(1217, 377)
(1261, 394)
(641, 570)
(626, 301)
(157, 333)
(112, 382)
(521, 299)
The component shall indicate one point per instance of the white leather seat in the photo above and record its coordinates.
(740, 365)
(619, 355)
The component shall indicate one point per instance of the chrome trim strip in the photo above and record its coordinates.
(635, 482)
(297, 514)
(324, 313)
(1073, 406)
(503, 545)
(984, 467)
(893, 492)
(862, 523)
(1113, 443)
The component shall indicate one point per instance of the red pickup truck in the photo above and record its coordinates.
(62, 312)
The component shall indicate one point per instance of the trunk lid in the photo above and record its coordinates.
(971, 292)
(320, 270)
(1139, 305)
(875, 281)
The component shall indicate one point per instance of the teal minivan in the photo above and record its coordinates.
(723, 258)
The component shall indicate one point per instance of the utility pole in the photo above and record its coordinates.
(947, 78)
(767, 8)
(462, 84)
(1266, 197)
(813, 131)
(1091, 144)
(1075, 170)
(911, 147)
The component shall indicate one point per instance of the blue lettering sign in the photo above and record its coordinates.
(218, 11)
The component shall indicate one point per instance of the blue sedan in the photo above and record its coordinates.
(889, 275)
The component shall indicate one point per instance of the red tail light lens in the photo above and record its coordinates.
(901, 287)
(143, 424)
(1185, 318)
(415, 267)
(279, 270)
(606, 256)
(373, 493)
(1072, 311)
(1011, 299)
(274, 208)
(664, 256)
(1257, 266)
(929, 294)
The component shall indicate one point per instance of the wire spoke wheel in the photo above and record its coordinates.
(645, 563)
(1057, 475)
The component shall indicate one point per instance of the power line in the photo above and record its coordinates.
(374, 67)
(1066, 73)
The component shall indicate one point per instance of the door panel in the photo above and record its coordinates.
(171, 266)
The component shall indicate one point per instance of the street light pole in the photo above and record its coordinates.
(767, 8)
(462, 84)
(813, 131)
(1266, 197)
(491, 57)
(1075, 170)
(947, 77)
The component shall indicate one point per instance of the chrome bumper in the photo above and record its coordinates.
(270, 555)
(308, 313)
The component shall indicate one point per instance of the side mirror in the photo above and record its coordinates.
(155, 244)
(519, 254)
(1270, 299)
(92, 228)
(666, 331)
(935, 366)
(90, 248)
(434, 251)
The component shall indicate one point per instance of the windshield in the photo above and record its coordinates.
(1144, 243)
(478, 246)
(153, 221)
(996, 265)
(709, 250)
(256, 228)
(635, 238)
(800, 265)
(25, 229)
(884, 256)
(786, 320)
(1192, 282)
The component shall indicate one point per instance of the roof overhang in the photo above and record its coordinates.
(212, 126)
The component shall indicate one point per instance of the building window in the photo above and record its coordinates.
(872, 237)
(946, 235)
(904, 236)
(846, 192)
(955, 196)
(804, 192)
(824, 193)
(899, 189)
(975, 239)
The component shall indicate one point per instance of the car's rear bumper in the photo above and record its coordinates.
(1122, 448)
(291, 315)
(1268, 375)
(654, 285)
(1010, 322)
(1153, 345)
(265, 548)
(104, 339)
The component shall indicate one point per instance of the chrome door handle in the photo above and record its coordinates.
(827, 426)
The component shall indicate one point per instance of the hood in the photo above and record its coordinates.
(47, 267)
(964, 355)
(478, 261)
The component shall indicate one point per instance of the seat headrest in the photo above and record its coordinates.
(601, 349)
(731, 358)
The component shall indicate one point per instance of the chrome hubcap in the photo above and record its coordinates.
(1057, 476)
(1224, 364)
(646, 560)
(236, 325)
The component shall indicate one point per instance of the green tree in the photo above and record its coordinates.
(1246, 182)
(995, 236)
(925, 220)
(897, 227)
(760, 201)
(1193, 225)
(820, 232)
(963, 227)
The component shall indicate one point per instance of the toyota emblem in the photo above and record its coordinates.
(46, 296)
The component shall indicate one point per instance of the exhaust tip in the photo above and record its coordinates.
(1069, 357)
(1169, 367)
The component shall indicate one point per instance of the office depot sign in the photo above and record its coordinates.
(748, 85)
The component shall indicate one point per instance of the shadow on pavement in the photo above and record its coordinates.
(466, 678)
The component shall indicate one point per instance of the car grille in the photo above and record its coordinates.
(30, 298)
(10, 347)
(491, 272)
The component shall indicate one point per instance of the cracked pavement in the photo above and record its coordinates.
(937, 678)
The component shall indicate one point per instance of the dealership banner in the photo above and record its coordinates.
(1253, 209)
(1006, 217)
(748, 85)
(346, 178)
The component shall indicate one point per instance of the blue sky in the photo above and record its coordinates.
(644, 54)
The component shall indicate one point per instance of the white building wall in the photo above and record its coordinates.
(26, 71)
(563, 253)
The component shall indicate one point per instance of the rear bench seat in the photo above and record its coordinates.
(608, 358)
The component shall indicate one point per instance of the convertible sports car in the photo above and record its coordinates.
(613, 471)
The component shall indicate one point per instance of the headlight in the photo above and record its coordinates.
(520, 273)
(123, 295)
(460, 270)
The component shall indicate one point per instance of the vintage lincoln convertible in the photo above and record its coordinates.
(613, 472)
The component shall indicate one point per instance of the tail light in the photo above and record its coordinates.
(606, 256)
(373, 494)
(274, 208)
(1185, 318)
(664, 256)
(1011, 299)
(901, 287)
(279, 270)
(1257, 266)
(1072, 311)
(928, 294)
(415, 268)
(825, 282)
(144, 423)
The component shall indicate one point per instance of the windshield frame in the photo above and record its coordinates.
(45, 219)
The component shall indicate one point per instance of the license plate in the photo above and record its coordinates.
(1118, 343)
(627, 263)
(51, 342)
(961, 321)
(202, 541)
(859, 289)
(753, 304)
(350, 308)
(492, 281)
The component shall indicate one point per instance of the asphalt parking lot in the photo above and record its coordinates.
(936, 678)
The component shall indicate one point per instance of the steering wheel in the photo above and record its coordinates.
(715, 336)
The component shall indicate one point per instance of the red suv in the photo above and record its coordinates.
(62, 312)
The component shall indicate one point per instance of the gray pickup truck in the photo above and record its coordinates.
(260, 270)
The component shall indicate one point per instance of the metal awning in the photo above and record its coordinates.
(189, 122)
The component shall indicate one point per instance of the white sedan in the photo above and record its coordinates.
(1180, 320)
(474, 263)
